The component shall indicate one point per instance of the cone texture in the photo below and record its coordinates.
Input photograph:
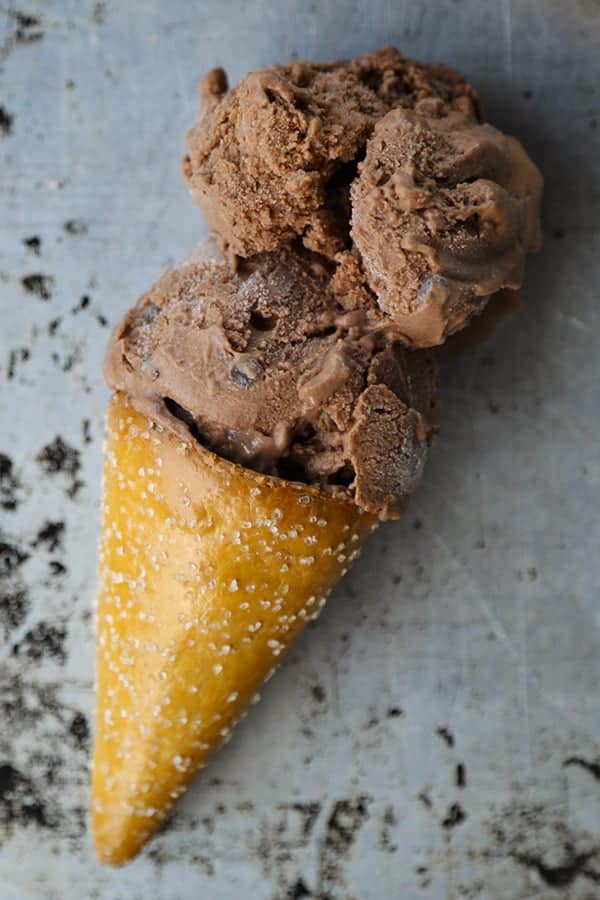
(207, 573)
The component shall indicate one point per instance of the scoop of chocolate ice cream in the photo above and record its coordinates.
(382, 158)
(444, 211)
(273, 158)
(265, 367)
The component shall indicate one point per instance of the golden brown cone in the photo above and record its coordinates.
(208, 571)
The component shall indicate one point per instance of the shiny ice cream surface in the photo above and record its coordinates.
(380, 157)
(265, 365)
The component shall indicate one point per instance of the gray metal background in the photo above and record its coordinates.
(469, 633)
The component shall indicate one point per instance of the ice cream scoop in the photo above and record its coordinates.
(382, 158)
(272, 159)
(266, 367)
(444, 212)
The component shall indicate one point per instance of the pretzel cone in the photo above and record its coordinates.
(208, 571)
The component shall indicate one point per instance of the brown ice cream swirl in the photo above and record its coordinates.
(444, 211)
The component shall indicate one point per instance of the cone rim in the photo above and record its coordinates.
(333, 492)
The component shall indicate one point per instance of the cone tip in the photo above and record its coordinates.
(118, 834)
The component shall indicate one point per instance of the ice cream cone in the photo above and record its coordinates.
(208, 572)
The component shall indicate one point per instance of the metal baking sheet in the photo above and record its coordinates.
(437, 733)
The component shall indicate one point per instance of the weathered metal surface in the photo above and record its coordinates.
(437, 734)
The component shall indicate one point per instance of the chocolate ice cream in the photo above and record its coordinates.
(265, 367)
(366, 209)
(443, 213)
(381, 158)
(273, 158)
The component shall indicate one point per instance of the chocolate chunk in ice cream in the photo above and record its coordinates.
(382, 158)
(264, 366)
